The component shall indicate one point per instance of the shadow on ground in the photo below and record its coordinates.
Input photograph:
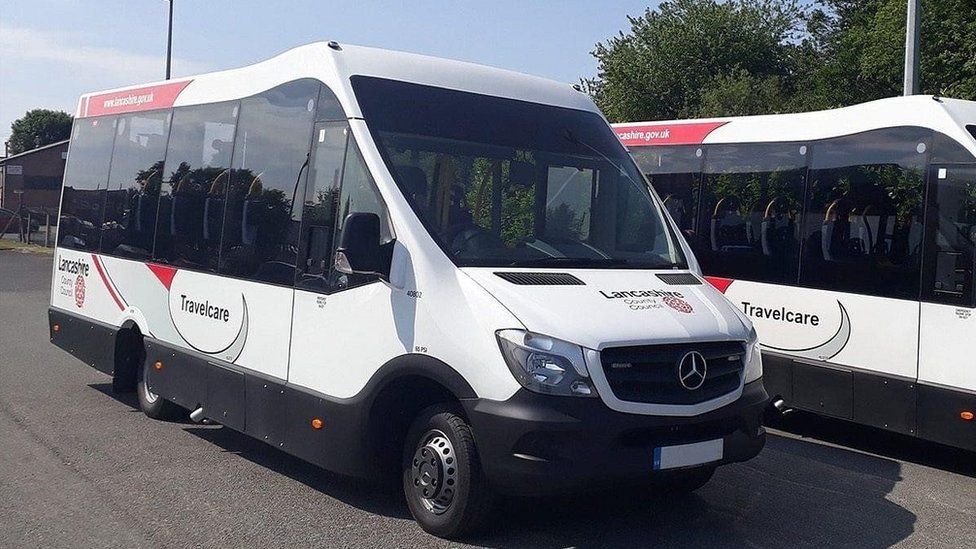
(796, 493)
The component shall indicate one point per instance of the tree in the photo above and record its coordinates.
(671, 57)
(37, 128)
(697, 58)
(864, 48)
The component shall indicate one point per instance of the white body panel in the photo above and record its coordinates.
(587, 316)
(947, 346)
(949, 116)
(840, 328)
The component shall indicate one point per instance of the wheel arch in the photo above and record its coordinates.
(401, 389)
(129, 354)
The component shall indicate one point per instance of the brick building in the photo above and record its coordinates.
(38, 174)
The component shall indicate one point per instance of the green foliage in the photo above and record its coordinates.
(37, 128)
(662, 67)
(699, 58)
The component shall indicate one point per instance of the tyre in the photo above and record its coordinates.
(150, 403)
(684, 482)
(443, 482)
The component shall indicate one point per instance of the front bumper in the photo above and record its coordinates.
(534, 444)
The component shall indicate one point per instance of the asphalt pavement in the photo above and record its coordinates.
(83, 467)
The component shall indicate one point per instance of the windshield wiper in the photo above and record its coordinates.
(569, 261)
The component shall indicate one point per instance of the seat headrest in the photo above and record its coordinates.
(413, 179)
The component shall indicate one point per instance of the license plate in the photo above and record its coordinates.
(686, 455)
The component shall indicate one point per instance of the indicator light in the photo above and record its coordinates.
(317, 423)
(57, 328)
(967, 415)
(158, 365)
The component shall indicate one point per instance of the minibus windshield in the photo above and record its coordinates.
(500, 182)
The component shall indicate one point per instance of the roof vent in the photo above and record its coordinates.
(335, 45)
(679, 279)
(541, 279)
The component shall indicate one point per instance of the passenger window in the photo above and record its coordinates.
(863, 224)
(357, 194)
(752, 196)
(950, 235)
(85, 180)
(195, 178)
(321, 205)
(261, 226)
(133, 187)
(674, 174)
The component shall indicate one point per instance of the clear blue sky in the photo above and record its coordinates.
(52, 51)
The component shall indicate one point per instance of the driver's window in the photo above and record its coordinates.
(357, 194)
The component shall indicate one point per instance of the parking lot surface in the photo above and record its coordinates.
(82, 467)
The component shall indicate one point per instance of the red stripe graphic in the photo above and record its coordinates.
(721, 284)
(111, 291)
(137, 99)
(163, 273)
(643, 135)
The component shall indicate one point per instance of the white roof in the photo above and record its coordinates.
(949, 116)
(334, 67)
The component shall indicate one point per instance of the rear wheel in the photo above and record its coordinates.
(150, 403)
(443, 482)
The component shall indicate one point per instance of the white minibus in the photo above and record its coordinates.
(847, 236)
(390, 264)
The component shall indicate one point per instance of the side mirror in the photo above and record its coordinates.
(360, 251)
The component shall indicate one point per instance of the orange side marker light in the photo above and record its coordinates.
(57, 328)
(967, 415)
(317, 423)
(158, 365)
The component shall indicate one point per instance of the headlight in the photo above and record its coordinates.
(753, 358)
(544, 364)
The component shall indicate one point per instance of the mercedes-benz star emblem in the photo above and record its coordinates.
(691, 370)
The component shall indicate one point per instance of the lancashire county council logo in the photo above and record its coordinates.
(80, 291)
(678, 304)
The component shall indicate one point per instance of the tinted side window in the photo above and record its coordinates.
(950, 224)
(674, 174)
(261, 227)
(195, 179)
(321, 205)
(85, 180)
(863, 224)
(946, 150)
(752, 196)
(328, 106)
(133, 187)
(358, 194)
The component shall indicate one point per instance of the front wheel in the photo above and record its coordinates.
(443, 482)
(150, 403)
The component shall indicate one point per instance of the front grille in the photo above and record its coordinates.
(649, 373)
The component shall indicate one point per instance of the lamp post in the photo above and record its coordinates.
(3, 172)
(169, 41)
(911, 47)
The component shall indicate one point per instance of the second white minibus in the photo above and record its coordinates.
(387, 263)
(848, 237)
